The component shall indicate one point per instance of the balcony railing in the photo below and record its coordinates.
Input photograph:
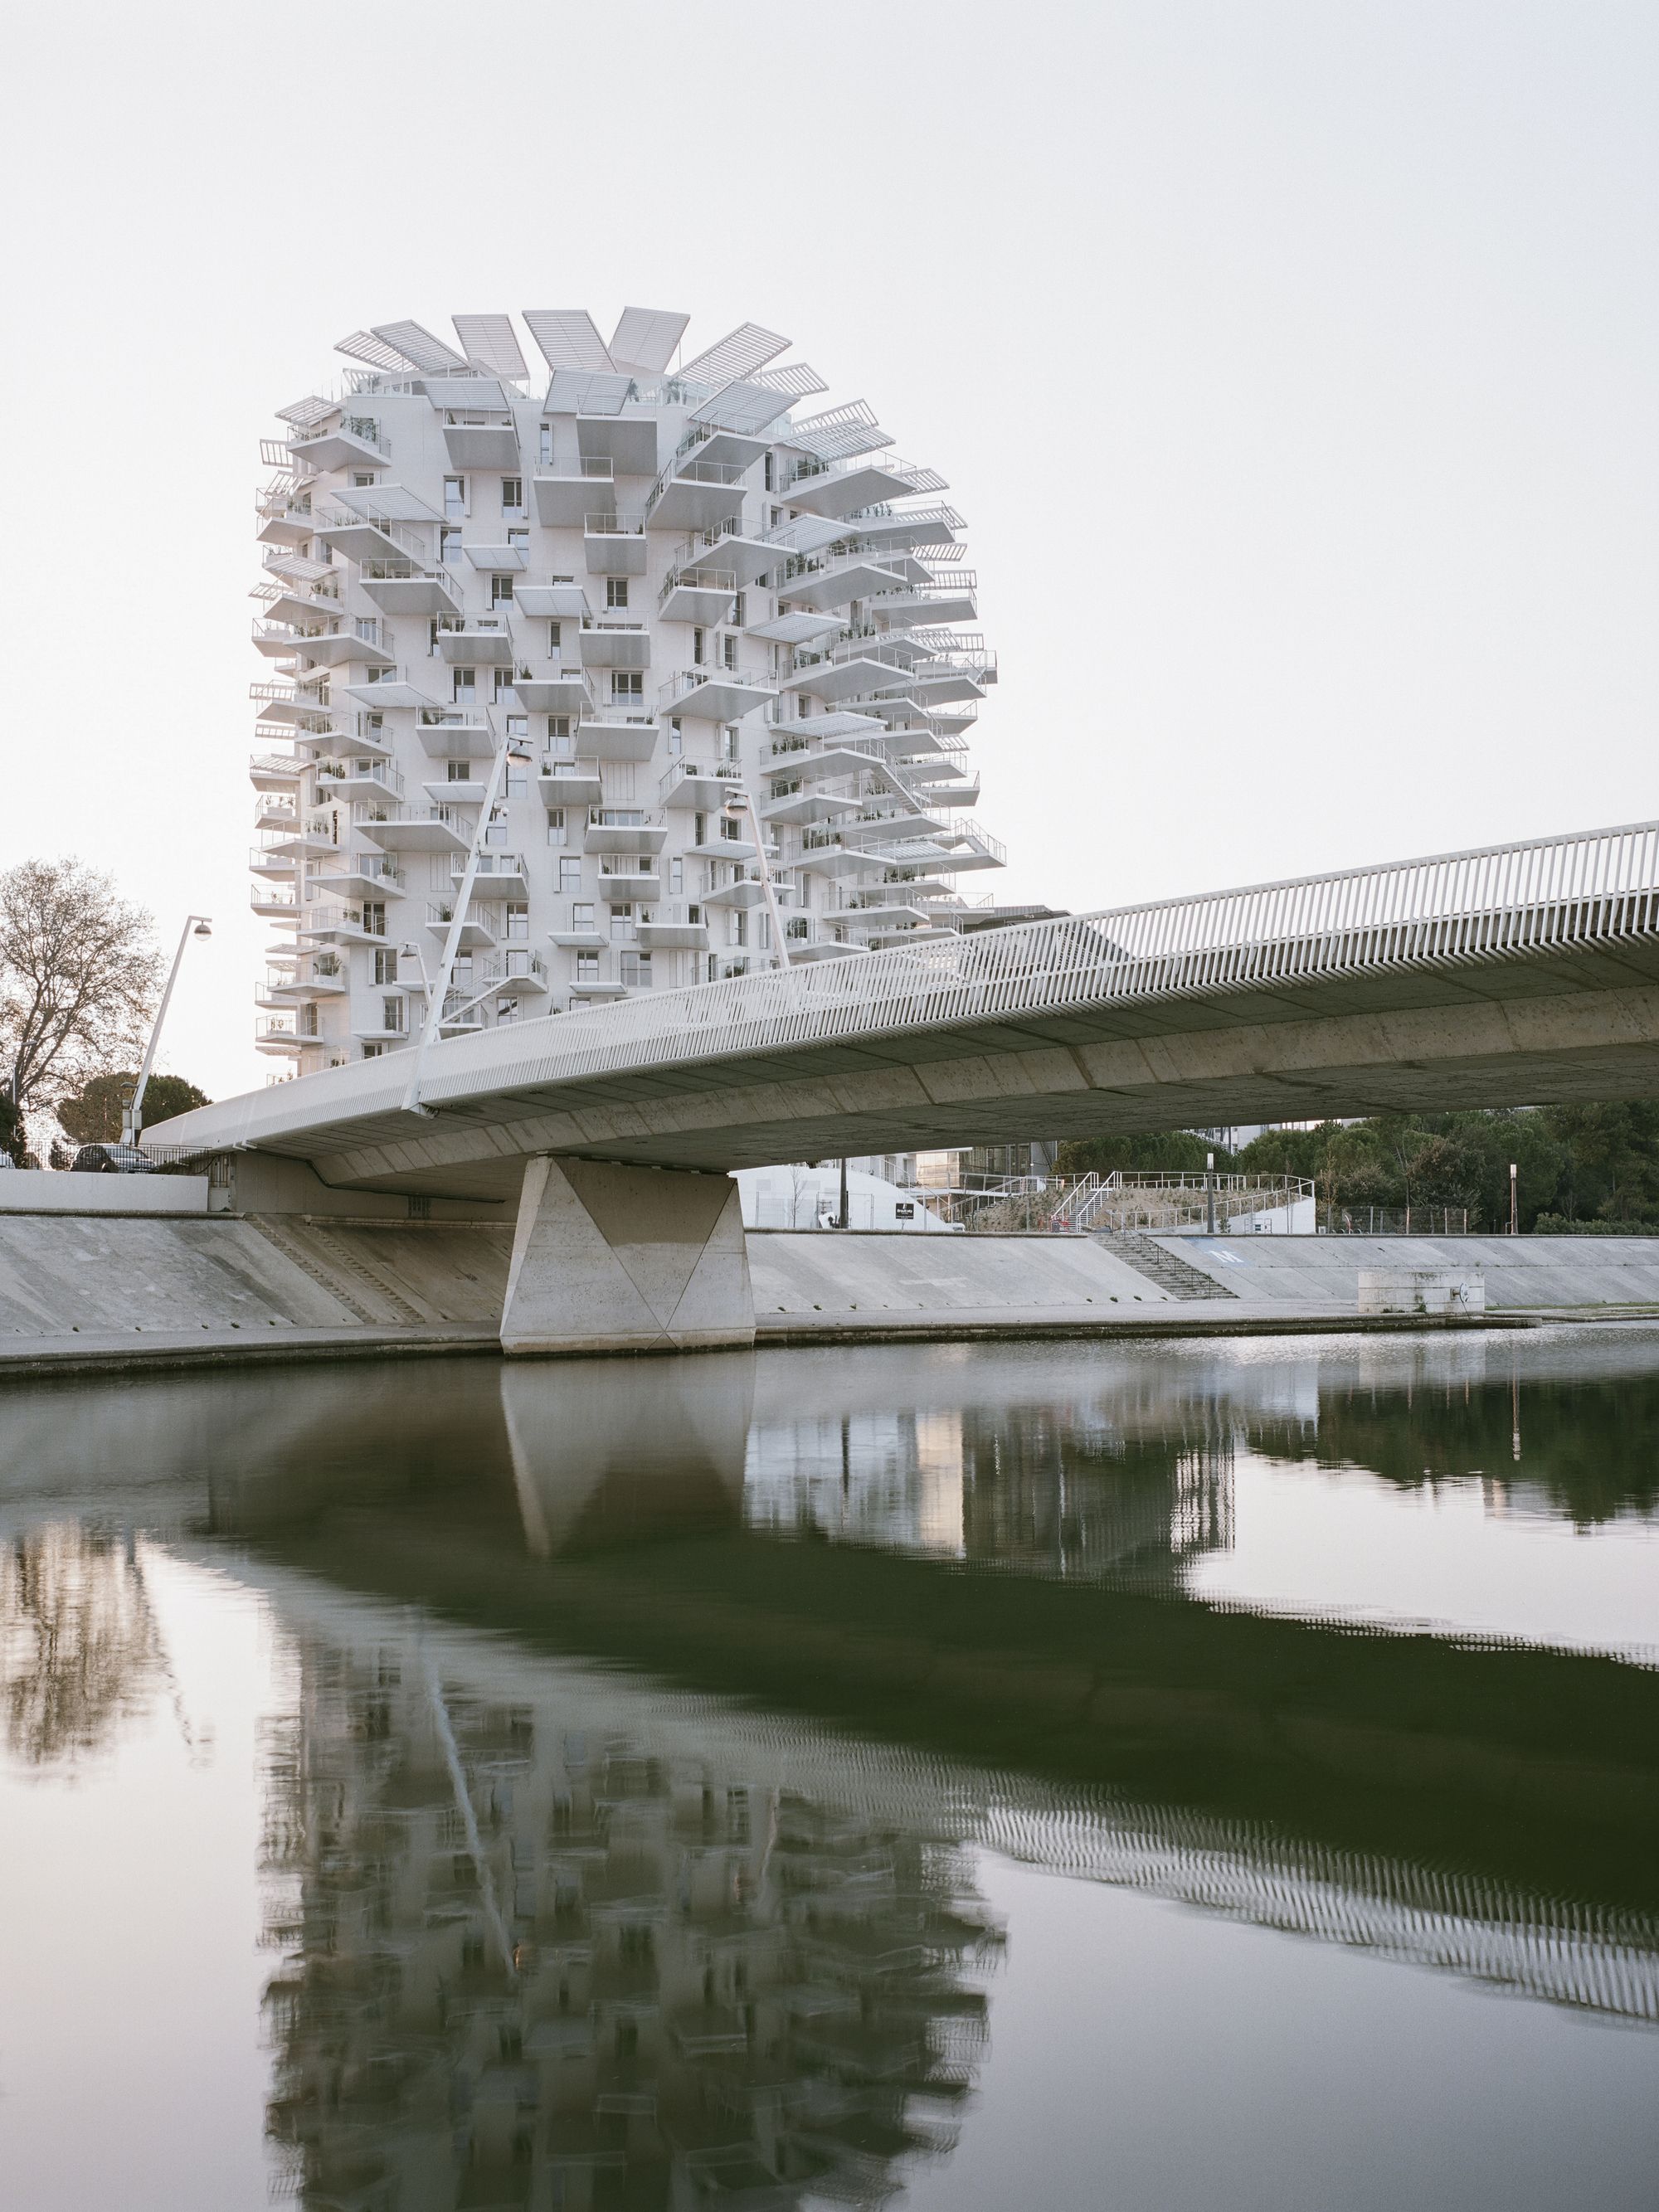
(613, 525)
(724, 475)
(684, 681)
(695, 578)
(492, 864)
(716, 771)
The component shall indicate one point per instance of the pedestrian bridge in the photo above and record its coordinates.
(1522, 973)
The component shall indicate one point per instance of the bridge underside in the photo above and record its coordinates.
(1499, 1033)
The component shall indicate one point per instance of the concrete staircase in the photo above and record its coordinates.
(1160, 1266)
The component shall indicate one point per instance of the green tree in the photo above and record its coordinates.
(93, 1117)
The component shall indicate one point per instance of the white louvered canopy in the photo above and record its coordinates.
(567, 337)
(738, 353)
(366, 346)
(419, 348)
(490, 341)
(645, 338)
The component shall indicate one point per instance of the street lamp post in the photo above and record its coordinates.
(132, 1114)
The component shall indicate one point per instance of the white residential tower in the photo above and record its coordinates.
(547, 647)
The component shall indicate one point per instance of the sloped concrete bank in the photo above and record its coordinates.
(84, 1292)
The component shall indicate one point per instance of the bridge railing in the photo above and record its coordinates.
(1594, 887)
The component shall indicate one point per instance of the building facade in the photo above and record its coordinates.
(595, 680)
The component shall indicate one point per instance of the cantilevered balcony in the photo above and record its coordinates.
(370, 538)
(361, 876)
(628, 440)
(622, 829)
(698, 594)
(285, 519)
(624, 882)
(417, 829)
(743, 893)
(278, 1033)
(868, 670)
(954, 600)
(456, 733)
(280, 901)
(457, 791)
(836, 583)
(357, 779)
(385, 1019)
(544, 599)
(798, 808)
(796, 629)
(728, 545)
(352, 441)
(503, 555)
(838, 489)
(676, 928)
(478, 927)
(352, 922)
(276, 866)
(481, 438)
(297, 607)
(566, 784)
(614, 644)
(499, 875)
(614, 544)
(715, 695)
(909, 526)
(616, 738)
(567, 493)
(561, 691)
(333, 648)
(298, 709)
(480, 642)
(398, 587)
(701, 787)
(516, 973)
(276, 811)
(693, 494)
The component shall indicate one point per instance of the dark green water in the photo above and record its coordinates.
(1151, 1777)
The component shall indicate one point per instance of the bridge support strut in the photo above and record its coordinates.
(613, 1258)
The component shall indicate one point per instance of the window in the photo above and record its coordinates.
(517, 782)
(729, 744)
(676, 875)
(587, 967)
(776, 513)
(740, 612)
(729, 652)
(449, 547)
(770, 476)
(544, 447)
(636, 970)
(696, 648)
(554, 631)
(556, 832)
(512, 495)
(385, 964)
(737, 926)
(454, 497)
(581, 916)
(459, 771)
(392, 1016)
(501, 591)
(466, 689)
(518, 924)
(374, 917)
(372, 1051)
(520, 538)
(622, 925)
(560, 742)
(570, 870)
(627, 684)
(616, 591)
(503, 689)
(676, 738)
(362, 480)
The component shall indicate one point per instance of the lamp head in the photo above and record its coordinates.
(203, 928)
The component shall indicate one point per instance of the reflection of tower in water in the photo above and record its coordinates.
(529, 1965)
(1064, 1489)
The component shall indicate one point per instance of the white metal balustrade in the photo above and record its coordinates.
(1575, 892)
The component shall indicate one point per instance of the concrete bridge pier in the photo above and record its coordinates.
(608, 1257)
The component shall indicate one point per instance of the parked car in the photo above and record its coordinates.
(112, 1159)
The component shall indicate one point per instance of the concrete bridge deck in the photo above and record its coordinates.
(1521, 973)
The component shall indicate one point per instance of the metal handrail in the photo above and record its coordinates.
(1573, 892)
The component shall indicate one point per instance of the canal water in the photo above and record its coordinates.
(1158, 1776)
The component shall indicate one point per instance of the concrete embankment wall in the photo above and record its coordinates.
(99, 1289)
(1520, 1271)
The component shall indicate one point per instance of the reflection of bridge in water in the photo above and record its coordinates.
(601, 1563)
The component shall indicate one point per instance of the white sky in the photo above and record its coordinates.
(1294, 365)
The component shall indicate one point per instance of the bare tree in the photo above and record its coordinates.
(78, 977)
